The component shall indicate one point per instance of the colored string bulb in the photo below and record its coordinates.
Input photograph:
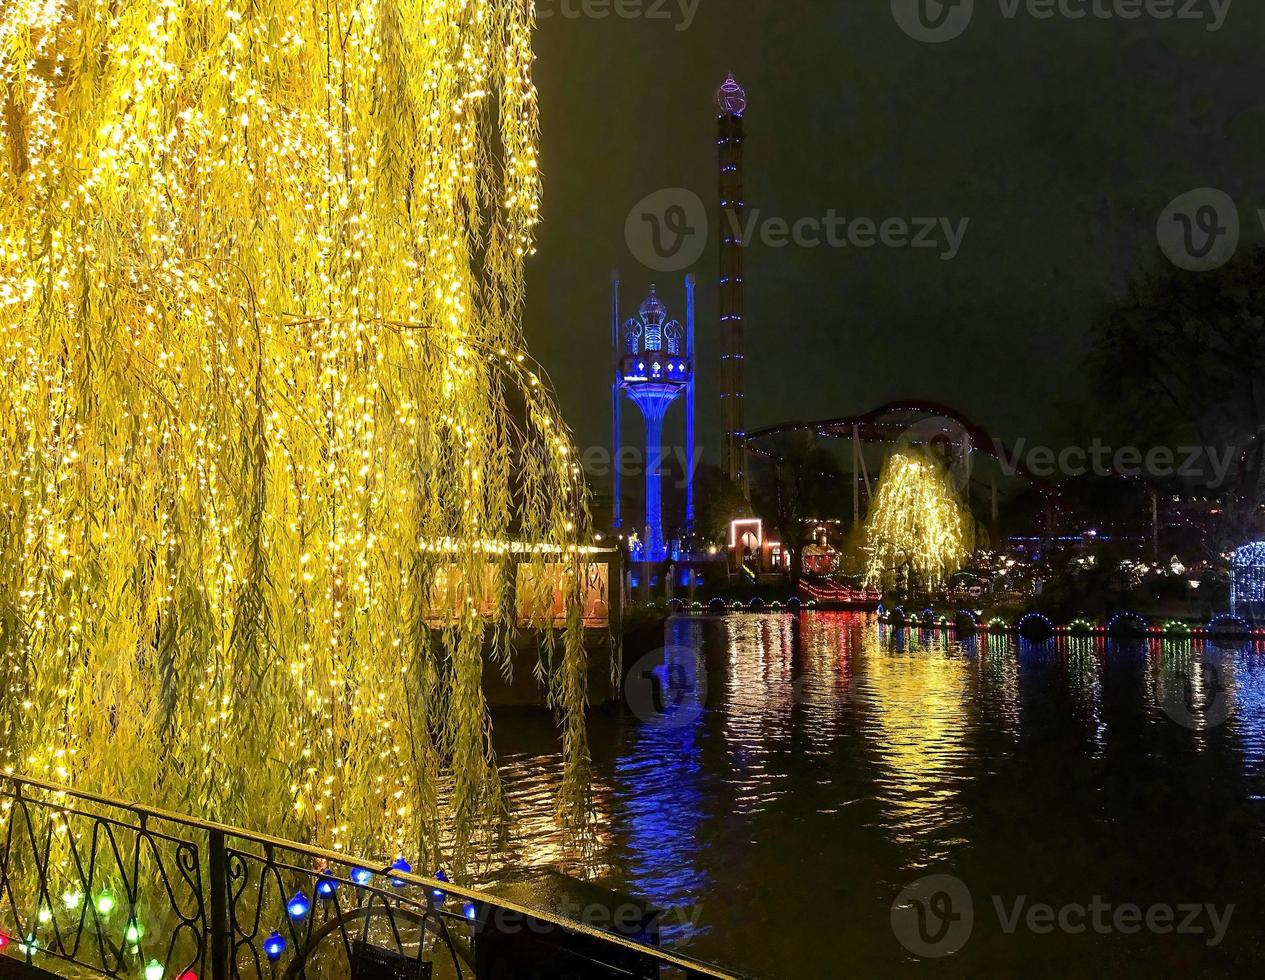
(4, 941)
(325, 888)
(188, 975)
(471, 911)
(72, 899)
(438, 893)
(134, 932)
(298, 906)
(274, 946)
(45, 915)
(105, 902)
(361, 876)
(154, 970)
(399, 864)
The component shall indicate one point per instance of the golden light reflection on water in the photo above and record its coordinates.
(823, 687)
(536, 837)
(1083, 656)
(999, 681)
(916, 722)
(759, 696)
(843, 757)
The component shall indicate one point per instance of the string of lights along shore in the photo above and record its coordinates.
(261, 275)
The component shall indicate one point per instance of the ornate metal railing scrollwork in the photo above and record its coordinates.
(90, 884)
(84, 881)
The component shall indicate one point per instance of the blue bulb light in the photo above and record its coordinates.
(274, 946)
(298, 906)
(399, 864)
(325, 888)
(438, 893)
(361, 876)
(471, 911)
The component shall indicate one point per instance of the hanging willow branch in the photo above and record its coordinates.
(248, 507)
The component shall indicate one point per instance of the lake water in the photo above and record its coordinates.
(822, 769)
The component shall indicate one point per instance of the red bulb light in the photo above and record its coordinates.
(4, 941)
(188, 975)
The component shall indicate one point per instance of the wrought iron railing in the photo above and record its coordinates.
(99, 886)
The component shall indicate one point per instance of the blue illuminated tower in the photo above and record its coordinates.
(655, 366)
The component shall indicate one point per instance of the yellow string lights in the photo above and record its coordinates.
(260, 287)
(917, 524)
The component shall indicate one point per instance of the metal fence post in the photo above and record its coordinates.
(219, 907)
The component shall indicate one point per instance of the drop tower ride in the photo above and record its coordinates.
(731, 102)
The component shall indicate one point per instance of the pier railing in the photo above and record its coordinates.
(90, 885)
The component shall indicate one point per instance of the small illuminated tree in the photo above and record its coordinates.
(918, 526)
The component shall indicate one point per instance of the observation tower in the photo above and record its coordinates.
(654, 367)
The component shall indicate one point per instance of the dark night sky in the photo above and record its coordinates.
(1062, 141)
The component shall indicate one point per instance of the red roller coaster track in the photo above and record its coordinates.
(910, 419)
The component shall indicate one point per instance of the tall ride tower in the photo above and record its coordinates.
(655, 367)
(731, 101)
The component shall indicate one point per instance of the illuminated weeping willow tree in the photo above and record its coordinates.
(265, 401)
(917, 525)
